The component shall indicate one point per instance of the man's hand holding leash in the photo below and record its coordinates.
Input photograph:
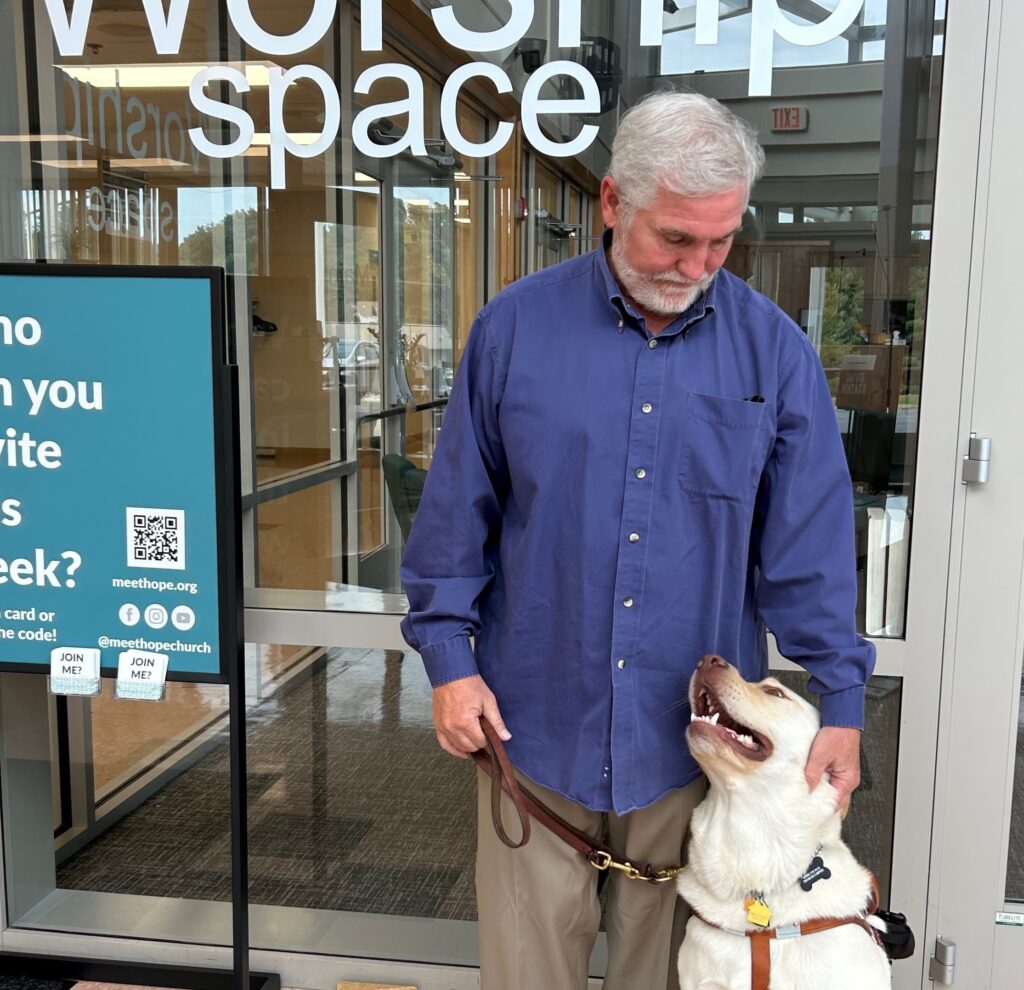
(458, 706)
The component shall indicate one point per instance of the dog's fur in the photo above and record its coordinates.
(758, 830)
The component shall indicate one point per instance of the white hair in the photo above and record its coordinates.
(686, 143)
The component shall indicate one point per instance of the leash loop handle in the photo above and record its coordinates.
(500, 771)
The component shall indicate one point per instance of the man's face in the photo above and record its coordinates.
(666, 254)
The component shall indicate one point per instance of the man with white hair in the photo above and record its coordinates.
(639, 465)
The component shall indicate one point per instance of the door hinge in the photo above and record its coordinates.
(976, 460)
(943, 964)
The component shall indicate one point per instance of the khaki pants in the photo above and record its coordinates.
(538, 906)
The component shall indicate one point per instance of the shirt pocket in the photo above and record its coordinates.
(722, 452)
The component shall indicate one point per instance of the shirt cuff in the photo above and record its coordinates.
(449, 660)
(844, 709)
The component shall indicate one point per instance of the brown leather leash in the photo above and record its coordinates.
(493, 760)
(760, 940)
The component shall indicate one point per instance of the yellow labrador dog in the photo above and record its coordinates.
(767, 871)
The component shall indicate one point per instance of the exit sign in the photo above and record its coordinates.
(789, 118)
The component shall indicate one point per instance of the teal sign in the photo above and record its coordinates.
(117, 491)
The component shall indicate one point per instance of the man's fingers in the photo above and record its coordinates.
(845, 784)
(469, 735)
(814, 771)
(449, 748)
(457, 707)
(493, 716)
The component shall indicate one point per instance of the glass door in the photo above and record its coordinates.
(416, 347)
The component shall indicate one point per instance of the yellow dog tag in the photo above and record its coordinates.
(758, 913)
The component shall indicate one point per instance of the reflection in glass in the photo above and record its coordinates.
(220, 226)
(846, 254)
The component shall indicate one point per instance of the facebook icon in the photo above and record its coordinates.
(129, 614)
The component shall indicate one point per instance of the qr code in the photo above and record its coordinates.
(156, 538)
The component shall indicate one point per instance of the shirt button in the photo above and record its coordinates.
(652, 343)
(634, 537)
(640, 473)
(621, 664)
(646, 407)
(628, 602)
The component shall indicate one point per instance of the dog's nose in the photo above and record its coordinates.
(711, 660)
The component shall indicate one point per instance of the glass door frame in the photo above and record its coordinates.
(978, 734)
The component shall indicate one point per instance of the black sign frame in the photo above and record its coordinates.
(226, 453)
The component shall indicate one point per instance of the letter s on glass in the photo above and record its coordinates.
(221, 111)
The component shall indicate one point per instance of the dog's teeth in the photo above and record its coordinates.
(714, 719)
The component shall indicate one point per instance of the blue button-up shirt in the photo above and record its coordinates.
(605, 506)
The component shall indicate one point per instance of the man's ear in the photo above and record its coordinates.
(611, 202)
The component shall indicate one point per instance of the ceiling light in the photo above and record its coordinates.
(161, 75)
(308, 137)
(26, 138)
(145, 163)
(56, 163)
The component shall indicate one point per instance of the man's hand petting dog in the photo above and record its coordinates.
(458, 706)
(835, 751)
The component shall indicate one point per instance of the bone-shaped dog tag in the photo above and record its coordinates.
(815, 872)
(758, 913)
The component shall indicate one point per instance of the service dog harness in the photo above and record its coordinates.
(760, 939)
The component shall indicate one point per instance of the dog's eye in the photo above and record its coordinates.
(776, 692)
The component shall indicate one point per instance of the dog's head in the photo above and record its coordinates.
(741, 730)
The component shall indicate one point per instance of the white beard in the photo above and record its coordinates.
(665, 294)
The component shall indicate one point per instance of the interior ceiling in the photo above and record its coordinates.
(126, 17)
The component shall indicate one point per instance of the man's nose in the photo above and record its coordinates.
(693, 264)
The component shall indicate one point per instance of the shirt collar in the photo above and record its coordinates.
(703, 305)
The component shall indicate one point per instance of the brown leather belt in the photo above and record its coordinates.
(493, 760)
(760, 940)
